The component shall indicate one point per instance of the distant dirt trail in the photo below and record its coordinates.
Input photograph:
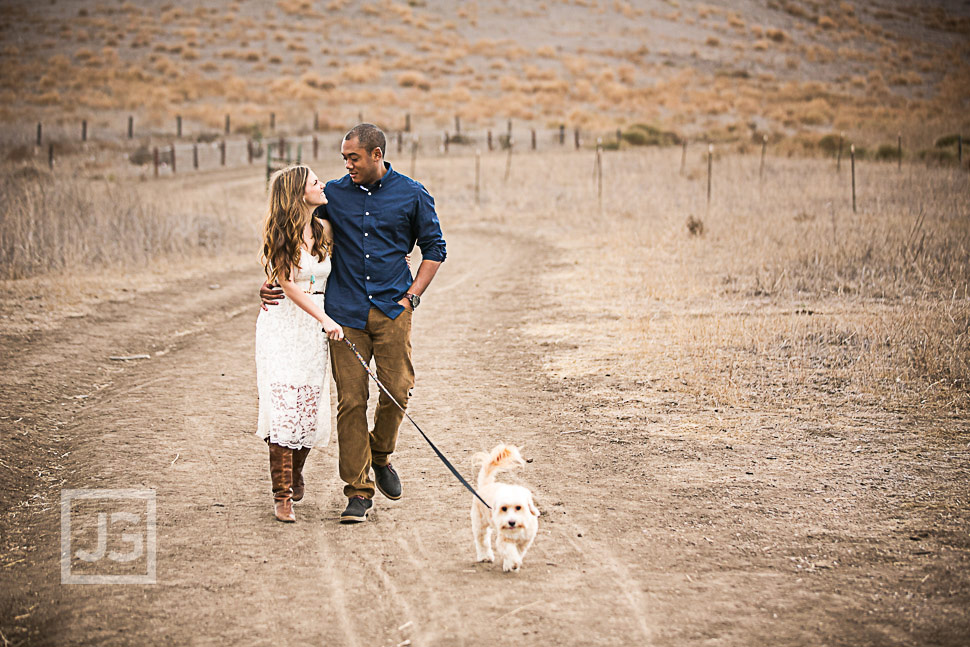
(655, 530)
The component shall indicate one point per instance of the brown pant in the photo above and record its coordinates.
(388, 341)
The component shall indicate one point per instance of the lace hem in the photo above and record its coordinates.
(294, 410)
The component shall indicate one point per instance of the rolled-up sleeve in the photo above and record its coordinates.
(427, 229)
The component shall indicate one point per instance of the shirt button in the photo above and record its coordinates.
(366, 234)
(368, 278)
(367, 213)
(366, 255)
(369, 296)
(368, 193)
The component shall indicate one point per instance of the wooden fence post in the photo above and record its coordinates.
(457, 125)
(316, 147)
(508, 160)
(599, 175)
(249, 151)
(172, 152)
(576, 137)
(414, 154)
(227, 124)
(960, 149)
(710, 158)
(899, 151)
(490, 140)
(838, 159)
(478, 173)
(50, 156)
(764, 149)
(683, 156)
(39, 134)
(852, 154)
(407, 122)
(195, 156)
(84, 130)
(619, 136)
(155, 159)
(272, 121)
(445, 142)
(533, 139)
(131, 127)
(269, 161)
(316, 121)
(562, 134)
(178, 126)
(222, 153)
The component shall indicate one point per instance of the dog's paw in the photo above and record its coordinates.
(509, 565)
(487, 557)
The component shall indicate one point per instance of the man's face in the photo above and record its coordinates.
(363, 167)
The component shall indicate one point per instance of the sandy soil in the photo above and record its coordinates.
(661, 524)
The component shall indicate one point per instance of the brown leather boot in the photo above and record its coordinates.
(299, 460)
(281, 474)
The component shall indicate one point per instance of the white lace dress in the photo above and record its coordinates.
(293, 367)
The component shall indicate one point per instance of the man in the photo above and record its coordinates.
(377, 216)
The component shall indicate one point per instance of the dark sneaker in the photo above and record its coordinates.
(357, 509)
(387, 481)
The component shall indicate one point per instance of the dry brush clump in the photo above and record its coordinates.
(54, 223)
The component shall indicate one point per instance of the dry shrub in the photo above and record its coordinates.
(413, 79)
(825, 22)
(776, 35)
(315, 80)
(360, 73)
(295, 7)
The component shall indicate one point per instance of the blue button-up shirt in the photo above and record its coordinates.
(374, 227)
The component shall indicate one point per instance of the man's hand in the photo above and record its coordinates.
(406, 303)
(269, 295)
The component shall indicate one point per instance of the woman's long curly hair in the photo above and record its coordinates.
(286, 219)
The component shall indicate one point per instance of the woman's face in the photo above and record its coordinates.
(313, 193)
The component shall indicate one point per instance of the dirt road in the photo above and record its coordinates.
(661, 524)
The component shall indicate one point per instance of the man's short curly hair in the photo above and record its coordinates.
(369, 136)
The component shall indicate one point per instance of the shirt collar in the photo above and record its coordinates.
(376, 185)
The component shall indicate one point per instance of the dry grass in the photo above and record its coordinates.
(786, 295)
(60, 223)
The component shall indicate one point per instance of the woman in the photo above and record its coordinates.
(292, 355)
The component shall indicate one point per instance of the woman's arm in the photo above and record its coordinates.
(302, 299)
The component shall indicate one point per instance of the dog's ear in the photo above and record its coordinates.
(533, 508)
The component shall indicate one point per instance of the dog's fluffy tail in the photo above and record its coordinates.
(502, 458)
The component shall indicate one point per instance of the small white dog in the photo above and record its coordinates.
(514, 516)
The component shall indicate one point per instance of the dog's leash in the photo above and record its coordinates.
(424, 435)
